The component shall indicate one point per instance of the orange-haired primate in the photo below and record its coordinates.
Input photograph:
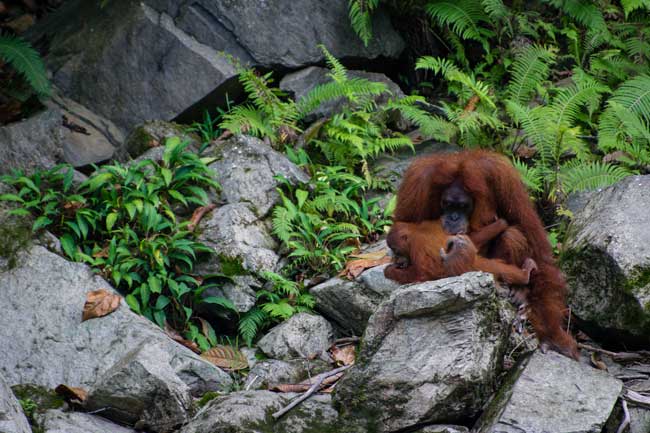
(467, 191)
(425, 252)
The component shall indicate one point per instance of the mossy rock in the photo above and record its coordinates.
(154, 133)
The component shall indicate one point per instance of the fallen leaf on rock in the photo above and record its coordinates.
(226, 357)
(100, 303)
(289, 387)
(171, 333)
(343, 355)
(375, 255)
(72, 393)
(354, 268)
(306, 384)
(597, 362)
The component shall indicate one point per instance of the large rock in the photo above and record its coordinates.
(34, 143)
(303, 335)
(135, 61)
(87, 137)
(298, 84)
(239, 237)
(349, 304)
(246, 169)
(142, 389)
(154, 133)
(274, 371)
(250, 412)
(552, 393)
(607, 260)
(431, 353)
(45, 343)
(57, 421)
(12, 418)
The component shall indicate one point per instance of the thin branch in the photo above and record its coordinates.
(315, 387)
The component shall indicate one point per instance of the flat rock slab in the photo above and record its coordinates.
(57, 421)
(550, 393)
(250, 412)
(45, 343)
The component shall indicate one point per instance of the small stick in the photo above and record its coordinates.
(198, 214)
(626, 419)
(310, 391)
(343, 340)
(596, 349)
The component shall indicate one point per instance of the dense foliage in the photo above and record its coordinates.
(122, 222)
(562, 86)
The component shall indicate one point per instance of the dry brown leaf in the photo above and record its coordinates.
(354, 268)
(597, 362)
(171, 333)
(525, 152)
(615, 156)
(72, 393)
(343, 355)
(198, 213)
(100, 303)
(226, 357)
(375, 255)
(289, 387)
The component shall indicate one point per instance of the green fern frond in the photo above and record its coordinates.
(530, 68)
(360, 14)
(251, 323)
(630, 6)
(451, 73)
(463, 17)
(584, 12)
(282, 223)
(247, 119)
(431, 126)
(570, 100)
(495, 9)
(352, 89)
(26, 60)
(337, 70)
(531, 176)
(583, 176)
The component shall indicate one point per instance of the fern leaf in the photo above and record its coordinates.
(26, 60)
(463, 17)
(359, 12)
(591, 175)
(251, 323)
(531, 67)
(495, 9)
(584, 12)
(630, 6)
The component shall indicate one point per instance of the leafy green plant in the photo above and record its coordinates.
(121, 221)
(280, 299)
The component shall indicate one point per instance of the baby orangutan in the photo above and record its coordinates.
(425, 252)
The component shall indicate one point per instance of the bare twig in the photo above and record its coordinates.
(597, 349)
(315, 387)
(198, 214)
(626, 419)
(344, 340)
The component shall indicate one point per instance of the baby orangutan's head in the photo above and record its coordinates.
(398, 241)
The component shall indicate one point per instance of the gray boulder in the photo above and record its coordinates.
(551, 393)
(34, 143)
(87, 137)
(349, 304)
(430, 354)
(165, 57)
(12, 418)
(57, 421)
(302, 336)
(607, 260)
(237, 235)
(246, 168)
(274, 371)
(298, 84)
(239, 290)
(249, 412)
(45, 343)
(142, 388)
